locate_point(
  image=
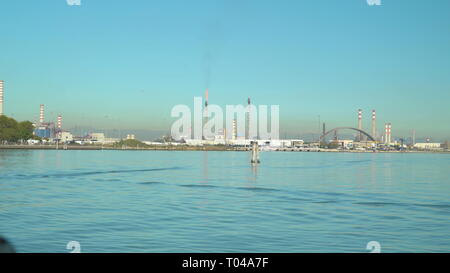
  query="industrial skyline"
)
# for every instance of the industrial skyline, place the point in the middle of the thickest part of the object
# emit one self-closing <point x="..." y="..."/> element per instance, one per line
<point x="48" y="129"/>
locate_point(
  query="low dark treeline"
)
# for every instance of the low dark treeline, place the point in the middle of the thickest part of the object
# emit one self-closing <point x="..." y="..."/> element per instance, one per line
<point x="14" y="131"/>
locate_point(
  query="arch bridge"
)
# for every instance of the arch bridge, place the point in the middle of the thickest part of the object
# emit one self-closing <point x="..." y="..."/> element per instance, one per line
<point x="347" y="128"/>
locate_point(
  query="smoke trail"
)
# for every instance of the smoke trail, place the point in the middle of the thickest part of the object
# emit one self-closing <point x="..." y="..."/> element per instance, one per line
<point x="213" y="42"/>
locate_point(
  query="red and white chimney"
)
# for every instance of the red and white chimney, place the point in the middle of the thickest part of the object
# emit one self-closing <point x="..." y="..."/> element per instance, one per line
<point x="374" y="124"/>
<point x="41" y="114"/>
<point x="360" y="123"/>
<point x="388" y="138"/>
<point x="59" y="122"/>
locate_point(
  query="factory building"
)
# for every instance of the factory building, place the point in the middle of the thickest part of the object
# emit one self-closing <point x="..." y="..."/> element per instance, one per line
<point x="44" y="129"/>
<point x="65" y="137"/>
<point x="344" y="143"/>
<point x="97" y="137"/>
<point x="234" y="130"/>
<point x="269" y="143"/>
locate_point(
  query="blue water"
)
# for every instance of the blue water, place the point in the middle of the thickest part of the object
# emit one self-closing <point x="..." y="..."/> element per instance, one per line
<point x="158" y="201"/>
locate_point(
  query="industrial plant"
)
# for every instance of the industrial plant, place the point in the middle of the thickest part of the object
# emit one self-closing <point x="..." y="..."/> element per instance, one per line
<point x="52" y="133"/>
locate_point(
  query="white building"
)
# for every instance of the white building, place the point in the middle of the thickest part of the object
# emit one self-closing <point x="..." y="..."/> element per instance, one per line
<point x="110" y="140"/>
<point x="65" y="137"/>
<point x="345" y="143"/>
<point x="219" y="140"/>
<point x="97" y="137"/>
<point x="194" y="142"/>
<point x="427" y="146"/>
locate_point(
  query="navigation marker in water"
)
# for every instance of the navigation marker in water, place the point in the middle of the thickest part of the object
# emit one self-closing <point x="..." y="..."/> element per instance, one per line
<point x="255" y="153"/>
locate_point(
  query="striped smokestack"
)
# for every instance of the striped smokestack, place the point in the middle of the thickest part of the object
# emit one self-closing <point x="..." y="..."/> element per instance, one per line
<point x="374" y="124"/>
<point x="234" y="132"/>
<point x="388" y="138"/>
<point x="41" y="114"/>
<point x="390" y="133"/>
<point x="59" y="122"/>
<point x="1" y="97"/>
<point x="360" y="123"/>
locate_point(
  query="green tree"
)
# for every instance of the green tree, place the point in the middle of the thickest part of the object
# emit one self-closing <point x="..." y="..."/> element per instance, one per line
<point x="13" y="131"/>
<point x="8" y="129"/>
<point x="132" y="143"/>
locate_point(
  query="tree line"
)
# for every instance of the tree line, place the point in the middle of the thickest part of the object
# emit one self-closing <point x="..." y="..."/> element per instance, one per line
<point x="14" y="131"/>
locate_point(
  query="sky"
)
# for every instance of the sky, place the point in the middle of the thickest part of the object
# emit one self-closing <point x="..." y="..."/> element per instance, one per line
<point x="124" y="64"/>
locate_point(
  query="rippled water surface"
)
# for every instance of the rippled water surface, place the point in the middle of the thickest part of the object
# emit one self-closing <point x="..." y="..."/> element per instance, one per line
<point x="156" y="201"/>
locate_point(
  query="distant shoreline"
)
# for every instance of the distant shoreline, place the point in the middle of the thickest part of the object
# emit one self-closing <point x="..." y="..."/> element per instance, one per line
<point x="192" y="148"/>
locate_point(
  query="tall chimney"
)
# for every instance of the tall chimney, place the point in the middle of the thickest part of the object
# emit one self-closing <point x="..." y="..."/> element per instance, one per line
<point x="59" y="122"/>
<point x="388" y="138"/>
<point x="41" y="114"/>
<point x="374" y="124"/>
<point x="1" y="97"/>
<point x="234" y="133"/>
<point x="360" y="123"/>
<point x="386" y="133"/>
<point x="247" y="121"/>
<point x="390" y="133"/>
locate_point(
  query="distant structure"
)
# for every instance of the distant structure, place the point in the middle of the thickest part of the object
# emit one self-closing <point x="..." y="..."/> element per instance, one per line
<point x="98" y="137"/>
<point x="369" y="137"/>
<point x="205" y="119"/>
<point x="428" y="146"/>
<point x="360" y="124"/>
<point x="59" y="123"/>
<point x="1" y="98"/>
<point x="130" y="137"/>
<point x="58" y="132"/>
<point x="247" y="121"/>
<point x="41" y="114"/>
<point x="234" y="133"/>
<point x="388" y="138"/>
<point x="44" y="129"/>
<point x="374" y="124"/>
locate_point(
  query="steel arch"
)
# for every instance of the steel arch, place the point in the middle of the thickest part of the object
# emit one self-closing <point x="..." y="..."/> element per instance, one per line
<point x="347" y="128"/>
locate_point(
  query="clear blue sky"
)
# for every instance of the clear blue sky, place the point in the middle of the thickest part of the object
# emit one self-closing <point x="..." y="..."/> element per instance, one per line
<point x="124" y="64"/>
